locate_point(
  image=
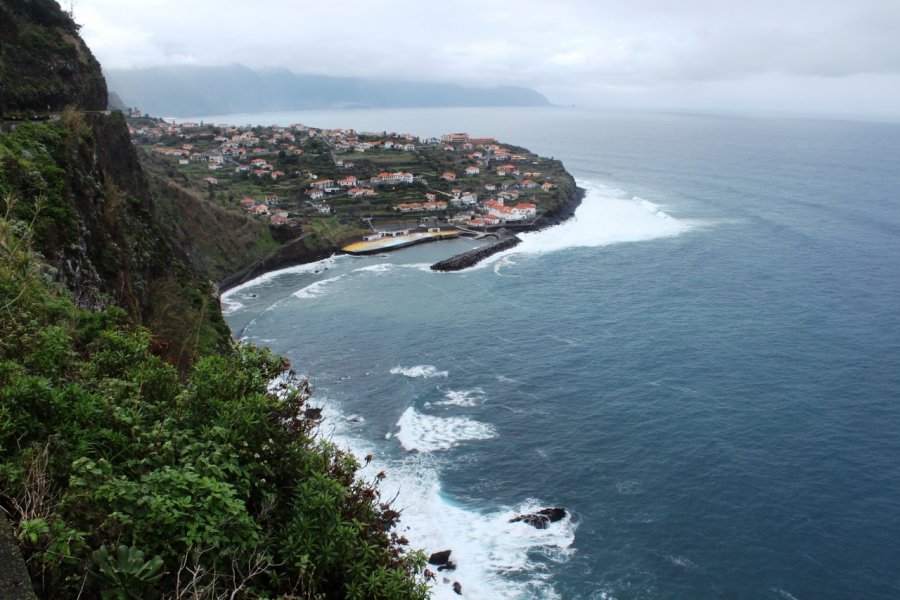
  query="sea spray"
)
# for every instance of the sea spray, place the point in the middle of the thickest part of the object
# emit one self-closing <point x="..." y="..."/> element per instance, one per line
<point x="494" y="558"/>
<point x="423" y="371"/>
<point x="429" y="433"/>
<point x="606" y="216"/>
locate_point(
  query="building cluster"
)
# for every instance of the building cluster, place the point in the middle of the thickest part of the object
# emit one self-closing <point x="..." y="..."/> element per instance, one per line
<point x="480" y="165"/>
<point x="267" y="207"/>
<point x="498" y="209"/>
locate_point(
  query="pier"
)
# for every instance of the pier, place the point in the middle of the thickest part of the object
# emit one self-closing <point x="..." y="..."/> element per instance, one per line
<point x="505" y="240"/>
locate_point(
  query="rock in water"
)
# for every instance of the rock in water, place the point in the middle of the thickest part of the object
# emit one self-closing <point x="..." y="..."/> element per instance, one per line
<point x="439" y="558"/>
<point x="450" y="566"/>
<point x="542" y="518"/>
<point x="457" y="588"/>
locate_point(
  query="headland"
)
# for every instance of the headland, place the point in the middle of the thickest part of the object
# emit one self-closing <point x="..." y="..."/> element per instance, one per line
<point x="312" y="192"/>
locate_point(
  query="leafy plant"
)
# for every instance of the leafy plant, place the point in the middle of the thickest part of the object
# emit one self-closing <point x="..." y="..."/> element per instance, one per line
<point x="126" y="574"/>
<point x="31" y="531"/>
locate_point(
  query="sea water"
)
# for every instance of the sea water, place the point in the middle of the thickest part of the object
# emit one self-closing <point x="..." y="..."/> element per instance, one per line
<point x="703" y="367"/>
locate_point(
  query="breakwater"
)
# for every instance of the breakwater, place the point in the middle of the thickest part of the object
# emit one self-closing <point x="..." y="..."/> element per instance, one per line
<point x="472" y="257"/>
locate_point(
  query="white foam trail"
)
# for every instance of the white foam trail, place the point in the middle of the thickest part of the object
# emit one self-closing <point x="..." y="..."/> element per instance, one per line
<point x="426" y="433"/>
<point x="316" y="289"/>
<point x="419" y="267"/>
<point x="464" y="398"/>
<point x="423" y="371"/>
<point x="505" y="261"/>
<point x="388" y="267"/>
<point x="376" y="268"/>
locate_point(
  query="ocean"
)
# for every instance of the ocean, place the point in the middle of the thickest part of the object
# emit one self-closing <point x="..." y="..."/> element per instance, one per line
<point x="702" y="367"/>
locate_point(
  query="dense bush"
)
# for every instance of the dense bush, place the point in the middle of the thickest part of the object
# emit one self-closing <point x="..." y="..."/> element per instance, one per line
<point x="126" y="480"/>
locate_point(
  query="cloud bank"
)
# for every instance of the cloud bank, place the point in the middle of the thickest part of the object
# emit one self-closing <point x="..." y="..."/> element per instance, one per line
<point x="647" y="53"/>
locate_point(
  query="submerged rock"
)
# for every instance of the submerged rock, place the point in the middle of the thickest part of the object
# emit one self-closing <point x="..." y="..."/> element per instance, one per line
<point x="542" y="518"/>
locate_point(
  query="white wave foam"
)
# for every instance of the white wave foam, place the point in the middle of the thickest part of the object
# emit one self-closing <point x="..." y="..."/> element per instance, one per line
<point x="423" y="371"/>
<point x="419" y="267"/>
<point x="316" y="289"/>
<point x="681" y="561"/>
<point x="505" y="261"/>
<point x="465" y="398"/>
<point x="230" y="306"/>
<point x="494" y="558"/>
<point x="376" y="268"/>
<point x="388" y="267"/>
<point x="603" y="218"/>
<point x="314" y="267"/>
<point x="426" y="433"/>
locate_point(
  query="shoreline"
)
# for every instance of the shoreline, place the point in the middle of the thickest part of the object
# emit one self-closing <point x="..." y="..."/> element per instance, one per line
<point x="295" y="253"/>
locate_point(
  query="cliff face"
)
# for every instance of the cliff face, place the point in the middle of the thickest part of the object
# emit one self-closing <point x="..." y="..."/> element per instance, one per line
<point x="195" y="225"/>
<point x="143" y="432"/>
<point x="44" y="64"/>
<point x="76" y="183"/>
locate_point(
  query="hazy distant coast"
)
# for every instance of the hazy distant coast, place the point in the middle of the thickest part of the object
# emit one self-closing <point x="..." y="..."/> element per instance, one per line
<point x="191" y="91"/>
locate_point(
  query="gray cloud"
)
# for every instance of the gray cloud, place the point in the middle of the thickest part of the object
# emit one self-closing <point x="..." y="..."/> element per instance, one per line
<point x="568" y="50"/>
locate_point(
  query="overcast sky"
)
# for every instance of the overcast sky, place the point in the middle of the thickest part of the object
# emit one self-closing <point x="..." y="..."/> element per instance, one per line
<point x="815" y="56"/>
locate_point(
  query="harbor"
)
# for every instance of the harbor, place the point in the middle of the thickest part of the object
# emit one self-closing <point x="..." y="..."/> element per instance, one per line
<point x="382" y="241"/>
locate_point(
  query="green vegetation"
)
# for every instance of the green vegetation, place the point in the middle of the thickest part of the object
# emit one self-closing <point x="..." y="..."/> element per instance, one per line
<point x="92" y="218"/>
<point x="125" y="480"/>
<point x="142" y="453"/>
<point x="44" y="65"/>
<point x="194" y="225"/>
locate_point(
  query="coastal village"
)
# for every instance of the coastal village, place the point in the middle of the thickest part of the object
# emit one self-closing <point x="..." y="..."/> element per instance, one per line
<point x="350" y="185"/>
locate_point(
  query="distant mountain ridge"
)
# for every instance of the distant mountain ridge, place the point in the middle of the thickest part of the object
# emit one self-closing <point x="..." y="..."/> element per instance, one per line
<point x="187" y="91"/>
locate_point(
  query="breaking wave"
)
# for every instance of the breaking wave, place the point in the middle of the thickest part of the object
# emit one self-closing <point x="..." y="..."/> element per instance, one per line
<point x="423" y="371"/>
<point x="426" y="433"/>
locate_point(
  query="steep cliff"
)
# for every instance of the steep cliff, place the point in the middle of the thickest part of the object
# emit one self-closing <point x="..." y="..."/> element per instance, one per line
<point x="142" y="454"/>
<point x="44" y="64"/>
<point x="78" y="184"/>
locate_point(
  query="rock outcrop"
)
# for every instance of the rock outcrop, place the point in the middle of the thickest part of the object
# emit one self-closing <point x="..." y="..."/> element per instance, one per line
<point x="542" y="518"/>
<point x="440" y="558"/>
<point x="14" y="581"/>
